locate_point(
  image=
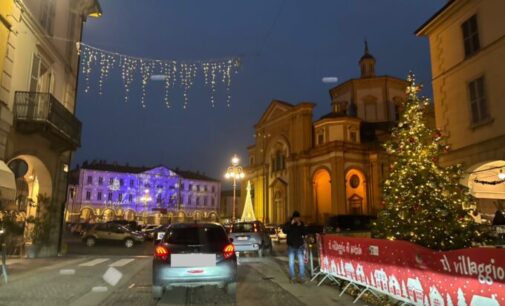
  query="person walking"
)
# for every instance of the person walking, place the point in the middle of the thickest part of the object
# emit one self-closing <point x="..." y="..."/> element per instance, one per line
<point x="295" y="230"/>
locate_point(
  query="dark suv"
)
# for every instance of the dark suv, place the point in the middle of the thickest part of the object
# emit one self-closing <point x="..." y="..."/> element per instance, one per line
<point x="194" y="254"/>
<point x="353" y="225"/>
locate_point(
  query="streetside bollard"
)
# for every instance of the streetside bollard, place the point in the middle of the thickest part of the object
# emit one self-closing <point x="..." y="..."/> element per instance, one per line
<point x="4" y="262"/>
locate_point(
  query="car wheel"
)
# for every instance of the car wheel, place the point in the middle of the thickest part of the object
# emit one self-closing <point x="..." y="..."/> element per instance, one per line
<point x="231" y="288"/>
<point x="129" y="242"/>
<point x="90" y="241"/>
<point x="157" y="292"/>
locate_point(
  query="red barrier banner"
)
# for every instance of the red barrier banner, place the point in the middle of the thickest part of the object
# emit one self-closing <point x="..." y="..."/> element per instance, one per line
<point x="417" y="275"/>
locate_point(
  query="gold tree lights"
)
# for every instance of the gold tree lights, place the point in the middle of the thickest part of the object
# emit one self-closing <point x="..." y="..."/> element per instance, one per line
<point x="173" y="73"/>
<point x="424" y="202"/>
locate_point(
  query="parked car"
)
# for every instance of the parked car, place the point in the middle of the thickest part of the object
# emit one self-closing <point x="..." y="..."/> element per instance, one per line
<point x="354" y="225"/>
<point x="272" y="232"/>
<point x="280" y="234"/>
<point x="251" y="237"/>
<point x="131" y="225"/>
<point x="111" y="232"/>
<point x="194" y="254"/>
<point x="149" y="230"/>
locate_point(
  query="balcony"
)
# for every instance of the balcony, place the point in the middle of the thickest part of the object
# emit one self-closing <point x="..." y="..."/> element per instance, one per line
<point x="36" y="112"/>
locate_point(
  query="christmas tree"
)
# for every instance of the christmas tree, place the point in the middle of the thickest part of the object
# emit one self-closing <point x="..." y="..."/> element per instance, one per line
<point x="424" y="202"/>
<point x="248" y="213"/>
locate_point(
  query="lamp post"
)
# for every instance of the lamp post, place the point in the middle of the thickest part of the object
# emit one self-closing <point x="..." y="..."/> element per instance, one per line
<point x="146" y="198"/>
<point x="234" y="172"/>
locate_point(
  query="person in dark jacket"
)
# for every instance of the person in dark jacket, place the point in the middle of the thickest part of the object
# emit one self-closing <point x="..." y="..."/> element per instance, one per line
<point x="295" y="230"/>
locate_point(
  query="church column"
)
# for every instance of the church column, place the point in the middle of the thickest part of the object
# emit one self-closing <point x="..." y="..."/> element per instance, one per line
<point x="338" y="198"/>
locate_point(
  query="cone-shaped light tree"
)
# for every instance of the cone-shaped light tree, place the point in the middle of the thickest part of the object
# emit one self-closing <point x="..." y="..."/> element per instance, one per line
<point x="424" y="202"/>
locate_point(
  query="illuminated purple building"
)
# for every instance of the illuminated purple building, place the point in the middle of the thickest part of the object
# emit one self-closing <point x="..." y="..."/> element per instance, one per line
<point x="102" y="192"/>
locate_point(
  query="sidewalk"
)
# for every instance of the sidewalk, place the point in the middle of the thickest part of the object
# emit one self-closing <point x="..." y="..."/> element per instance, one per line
<point x="275" y="269"/>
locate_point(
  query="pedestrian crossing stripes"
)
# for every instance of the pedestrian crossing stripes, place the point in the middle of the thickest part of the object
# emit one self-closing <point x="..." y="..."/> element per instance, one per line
<point x="94" y="262"/>
<point x="121" y="262"/>
<point x="118" y="263"/>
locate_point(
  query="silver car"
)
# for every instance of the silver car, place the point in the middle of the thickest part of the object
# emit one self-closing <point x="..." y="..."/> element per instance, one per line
<point x="251" y="237"/>
<point x="194" y="254"/>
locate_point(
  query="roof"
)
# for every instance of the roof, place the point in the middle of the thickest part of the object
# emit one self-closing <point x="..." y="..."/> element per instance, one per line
<point x="440" y="11"/>
<point x="194" y="175"/>
<point x="333" y="115"/>
<point x="103" y="166"/>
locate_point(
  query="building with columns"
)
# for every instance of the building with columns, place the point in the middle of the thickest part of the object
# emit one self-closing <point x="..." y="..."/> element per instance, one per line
<point x="39" y="131"/>
<point x="331" y="166"/>
<point x="101" y="192"/>
<point x="467" y="46"/>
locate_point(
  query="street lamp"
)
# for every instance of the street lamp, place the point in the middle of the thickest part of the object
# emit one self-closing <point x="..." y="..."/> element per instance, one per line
<point x="146" y="198"/>
<point x="235" y="173"/>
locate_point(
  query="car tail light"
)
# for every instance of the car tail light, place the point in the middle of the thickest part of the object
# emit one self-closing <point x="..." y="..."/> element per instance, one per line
<point x="161" y="252"/>
<point x="228" y="251"/>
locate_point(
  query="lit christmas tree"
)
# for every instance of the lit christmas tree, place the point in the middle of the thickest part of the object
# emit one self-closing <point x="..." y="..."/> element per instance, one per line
<point x="248" y="213"/>
<point x="424" y="202"/>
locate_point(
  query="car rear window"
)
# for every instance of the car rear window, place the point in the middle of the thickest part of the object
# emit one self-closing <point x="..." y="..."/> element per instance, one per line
<point x="243" y="228"/>
<point x="195" y="236"/>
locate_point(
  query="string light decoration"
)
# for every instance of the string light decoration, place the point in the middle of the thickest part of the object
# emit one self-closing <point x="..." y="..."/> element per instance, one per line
<point x="174" y="73"/>
<point x="424" y="202"/>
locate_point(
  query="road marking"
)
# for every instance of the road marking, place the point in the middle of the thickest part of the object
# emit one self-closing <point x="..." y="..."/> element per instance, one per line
<point x="112" y="276"/>
<point x="94" y="262"/>
<point x="121" y="262"/>
<point x="67" y="271"/>
<point x="99" y="289"/>
<point x="131" y="286"/>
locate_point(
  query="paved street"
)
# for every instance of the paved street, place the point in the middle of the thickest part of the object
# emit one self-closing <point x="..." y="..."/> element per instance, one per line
<point x="77" y="279"/>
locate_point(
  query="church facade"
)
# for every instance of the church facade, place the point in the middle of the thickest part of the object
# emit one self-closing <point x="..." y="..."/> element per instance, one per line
<point x="331" y="166"/>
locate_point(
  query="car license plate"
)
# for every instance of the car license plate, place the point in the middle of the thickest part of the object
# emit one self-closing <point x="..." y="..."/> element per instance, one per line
<point x="193" y="260"/>
<point x="242" y="238"/>
<point x="160" y="235"/>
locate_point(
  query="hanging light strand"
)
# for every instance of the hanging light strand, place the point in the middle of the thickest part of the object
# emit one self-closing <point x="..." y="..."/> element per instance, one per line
<point x="183" y="74"/>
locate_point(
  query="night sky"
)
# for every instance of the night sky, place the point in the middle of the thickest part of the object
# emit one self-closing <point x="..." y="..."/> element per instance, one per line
<point x="286" y="47"/>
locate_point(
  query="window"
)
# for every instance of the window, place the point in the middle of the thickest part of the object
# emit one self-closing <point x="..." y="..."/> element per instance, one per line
<point x="90" y="180"/>
<point x="100" y="180"/>
<point x="371" y="111"/>
<point x="205" y="201"/>
<point x="182" y="186"/>
<point x="470" y="36"/>
<point x="130" y="198"/>
<point x="111" y="181"/>
<point x="41" y="78"/>
<point x="132" y="183"/>
<point x="120" y="197"/>
<point x="353" y="136"/>
<point x="88" y="195"/>
<point x="190" y="187"/>
<point x="158" y="199"/>
<point x="478" y="103"/>
<point x="47" y="15"/>
<point x="213" y="188"/>
<point x="109" y="196"/>
<point x="197" y="200"/>
<point x="121" y="182"/>
<point x="99" y="196"/>
<point x="320" y="139"/>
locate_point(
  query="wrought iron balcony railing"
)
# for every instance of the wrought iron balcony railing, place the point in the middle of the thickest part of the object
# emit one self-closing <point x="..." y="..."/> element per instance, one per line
<point x="35" y="109"/>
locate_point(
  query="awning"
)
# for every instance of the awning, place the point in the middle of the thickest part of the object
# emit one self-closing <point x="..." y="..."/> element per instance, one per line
<point x="7" y="183"/>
